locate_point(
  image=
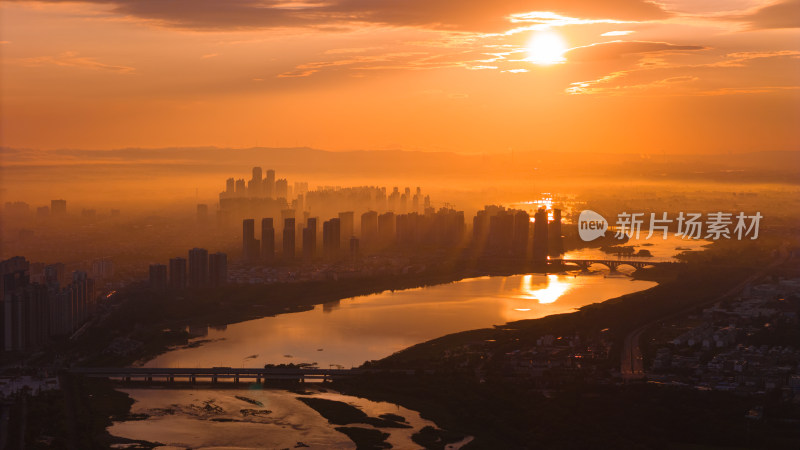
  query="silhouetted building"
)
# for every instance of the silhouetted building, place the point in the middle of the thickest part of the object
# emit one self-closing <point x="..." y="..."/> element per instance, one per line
<point x="288" y="238"/>
<point x="43" y="212"/>
<point x="32" y="312"/>
<point x="241" y="188"/>
<point x="198" y="267"/>
<point x="103" y="268"/>
<point x="202" y="213"/>
<point x="55" y="275"/>
<point x="58" y="207"/>
<point x="158" y="277"/>
<point x="522" y="229"/>
<point x="282" y="188"/>
<point x="369" y="229"/>
<point x="269" y="184"/>
<point x="250" y="245"/>
<point x="386" y="229"/>
<point x="346" y="222"/>
<point x="255" y="186"/>
<point x="354" y="248"/>
<point x="331" y="238"/>
<point x="217" y="269"/>
<point x="556" y="241"/>
<point x="501" y="233"/>
<point x="267" y="238"/>
<point x="310" y="239"/>
<point x="177" y="273"/>
<point x="540" y="237"/>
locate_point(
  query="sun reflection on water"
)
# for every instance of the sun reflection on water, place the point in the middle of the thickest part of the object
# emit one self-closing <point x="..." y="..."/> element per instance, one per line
<point x="553" y="290"/>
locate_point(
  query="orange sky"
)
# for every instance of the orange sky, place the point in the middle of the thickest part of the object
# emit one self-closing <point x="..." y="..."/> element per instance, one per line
<point x="636" y="76"/>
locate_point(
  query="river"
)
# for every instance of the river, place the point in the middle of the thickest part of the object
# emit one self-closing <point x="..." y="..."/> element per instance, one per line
<point x="347" y="333"/>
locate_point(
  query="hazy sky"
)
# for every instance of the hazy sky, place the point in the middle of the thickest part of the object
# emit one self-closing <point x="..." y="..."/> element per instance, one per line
<point x="469" y="76"/>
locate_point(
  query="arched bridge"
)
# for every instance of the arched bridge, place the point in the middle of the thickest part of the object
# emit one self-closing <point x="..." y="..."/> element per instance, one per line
<point x="219" y="374"/>
<point x="612" y="264"/>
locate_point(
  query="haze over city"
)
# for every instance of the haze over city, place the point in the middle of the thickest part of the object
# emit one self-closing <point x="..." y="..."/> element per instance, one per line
<point x="419" y="224"/>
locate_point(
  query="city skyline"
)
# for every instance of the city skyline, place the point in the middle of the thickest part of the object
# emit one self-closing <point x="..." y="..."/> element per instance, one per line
<point x="423" y="76"/>
<point x="514" y="224"/>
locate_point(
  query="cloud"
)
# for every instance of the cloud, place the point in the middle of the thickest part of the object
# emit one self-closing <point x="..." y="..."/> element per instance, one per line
<point x="415" y="58"/>
<point x="72" y="59"/>
<point x="618" y="49"/>
<point x="778" y="15"/>
<point x="464" y="15"/>
<point x="732" y="73"/>
<point x="617" y="33"/>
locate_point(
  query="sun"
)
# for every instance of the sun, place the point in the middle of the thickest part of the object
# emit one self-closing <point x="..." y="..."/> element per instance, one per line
<point x="546" y="48"/>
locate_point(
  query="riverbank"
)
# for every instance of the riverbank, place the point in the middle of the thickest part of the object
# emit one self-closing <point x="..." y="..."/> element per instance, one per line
<point x="129" y="334"/>
<point x="512" y="386"/>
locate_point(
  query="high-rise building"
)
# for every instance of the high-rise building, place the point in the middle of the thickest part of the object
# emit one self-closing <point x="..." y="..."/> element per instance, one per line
<point x="522" y="229"/>
<point x="241" y="188"/>
<point x="58" y="208"/>
<point x="369" y="229"/>
<point x="217" y="269"/>
<point x="346" y="222"/>
<point x="540" y="238"/>
<point x="30" y="312"/>
<point x="282" y="188"/>
<point x="177" y="273"/>
<point x="198" y="267"/>
<point x="250" y="245"/>
<point x="556" y="242"/>
<point x="354" y="248"/>
<point x="43" y="212"/>
<point x="501" y="232"/>
<point x="202" y="213"/>
<point x="386" y="229"/>
<point x="230" y="186"/>
<point x="103" y="268"/>
<point x="331" y="238"/>
<point x="288" y="238"/>
<point x="269" y="184"/>
<point x="394" y="200"/>
<point x="55" y="275"/>
<point x="300" y="187"/>
<point x="310" y="239"/>
<point x="158" y="277"/>
<point x="255" y="185"/>
<point x="267" y="239"/>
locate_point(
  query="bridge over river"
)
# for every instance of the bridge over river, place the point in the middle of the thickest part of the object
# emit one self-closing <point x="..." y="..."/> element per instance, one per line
<point x="217" y="374"/>
<point x="613" y="264"/>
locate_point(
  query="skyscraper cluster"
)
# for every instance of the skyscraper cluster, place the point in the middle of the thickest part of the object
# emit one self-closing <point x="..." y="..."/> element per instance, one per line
<point x="199" y="270"/>
<point x="499" y="231"/>
<point x="264" y="195"/>
<point x="444" y="228"/>
<point x="33" y="312"/>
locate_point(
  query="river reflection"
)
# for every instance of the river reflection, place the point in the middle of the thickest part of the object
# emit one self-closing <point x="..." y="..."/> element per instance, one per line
<point x="371" y="327"/>
<point x="225" y="418"/>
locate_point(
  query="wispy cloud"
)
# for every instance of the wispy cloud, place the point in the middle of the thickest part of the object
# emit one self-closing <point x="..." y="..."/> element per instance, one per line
<point x="73" y="59"/>
<point x="617" y="49"/>
<point x="711" y="78"/>
<point x="617" y="33"/>
<point x="470" y="15"/>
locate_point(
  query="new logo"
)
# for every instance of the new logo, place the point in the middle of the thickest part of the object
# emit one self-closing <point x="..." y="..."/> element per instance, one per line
<point x="591" y="225"/>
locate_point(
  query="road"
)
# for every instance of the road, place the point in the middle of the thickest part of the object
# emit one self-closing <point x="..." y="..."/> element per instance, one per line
<point x="632" y="361"/>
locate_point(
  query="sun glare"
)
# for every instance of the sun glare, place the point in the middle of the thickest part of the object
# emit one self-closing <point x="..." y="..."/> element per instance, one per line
<point x="546" y="48"/>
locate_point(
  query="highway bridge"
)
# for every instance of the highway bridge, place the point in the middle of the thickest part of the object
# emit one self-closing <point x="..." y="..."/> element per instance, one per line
<point x="217" y="374"/>
<point x="613" y="264"/>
